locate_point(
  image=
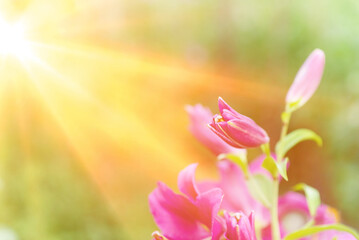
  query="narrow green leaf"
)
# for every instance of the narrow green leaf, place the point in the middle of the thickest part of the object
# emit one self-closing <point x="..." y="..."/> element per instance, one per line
<point x="275" y="167"/>
<point x="266" y="149"/>
<point x="261" y="188"/>
<point x="270" y="164"/>
<point x="312" y="195"/>
<point x="294" y="138"/>
<point x="282" y="168"/>
<point x="316" y="229"/>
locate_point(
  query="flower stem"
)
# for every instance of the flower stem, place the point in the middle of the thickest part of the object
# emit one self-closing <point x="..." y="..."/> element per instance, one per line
<point x="274" y="211"/>
<point x="285" y="125"/>
<point x="274" y="208"/>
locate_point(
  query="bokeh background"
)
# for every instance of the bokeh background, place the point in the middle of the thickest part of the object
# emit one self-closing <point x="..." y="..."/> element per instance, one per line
<point x="96" y="115"/>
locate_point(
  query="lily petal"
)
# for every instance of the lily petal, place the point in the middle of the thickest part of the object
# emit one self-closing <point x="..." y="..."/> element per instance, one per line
<point x="187" y="183"/>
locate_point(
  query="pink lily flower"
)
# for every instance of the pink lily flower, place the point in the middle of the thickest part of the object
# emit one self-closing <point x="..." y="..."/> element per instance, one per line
<point x="236" y="129"/>
<point x="294" y="213"/>
<point x="240" y="227"/>
<point x="192" y="216"/>
<point x="237" y="197"/>
<point x="199" y="118"/>
<point x="307" y="79"/>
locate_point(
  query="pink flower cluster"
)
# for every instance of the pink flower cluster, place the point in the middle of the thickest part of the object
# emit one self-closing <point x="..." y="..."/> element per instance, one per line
<point x="226" y="209"/>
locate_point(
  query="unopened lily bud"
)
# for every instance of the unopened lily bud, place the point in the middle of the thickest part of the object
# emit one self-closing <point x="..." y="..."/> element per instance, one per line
<point x="240" y="227"/>
<point x="236" y="129"/>
<point x="200" y="116"/>
<point x="307" y="79"/>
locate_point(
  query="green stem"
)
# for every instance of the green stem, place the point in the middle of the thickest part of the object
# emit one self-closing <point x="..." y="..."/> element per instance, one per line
<point x="285" y="126"/>
<point x="274" y="211"/>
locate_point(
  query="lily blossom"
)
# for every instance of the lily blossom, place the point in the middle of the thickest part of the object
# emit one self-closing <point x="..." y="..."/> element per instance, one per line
<point x="236" y="129"/>
<point x="192" y="216"/>
<point x="294" y="213"/>
<point x="240" y="227"/>
<point x="200" y="116"/>
<point x="307" y="79"/>
<point x="237" y="197"/>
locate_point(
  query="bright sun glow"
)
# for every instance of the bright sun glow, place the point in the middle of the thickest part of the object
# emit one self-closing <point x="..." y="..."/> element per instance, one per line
<point x="12" y="40"/>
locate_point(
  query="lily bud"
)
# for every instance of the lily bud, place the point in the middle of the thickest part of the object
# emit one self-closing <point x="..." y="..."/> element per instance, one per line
<point x="236" y="129"/>
<point x="307" y="79"/>
<point x="240" y="227"/>
<point x="200" y="116"/>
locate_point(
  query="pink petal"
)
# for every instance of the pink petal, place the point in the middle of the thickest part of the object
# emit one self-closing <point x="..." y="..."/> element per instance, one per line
<point x="175" y="215"/>
<point x="229" y="113"/>
<point x="296" y="203"/>
<point x="332" y="234"/>
<point x="326" y="215"/>
<point x="218" y="228"/>
<point x="240" y="227"/>
<point x="222" y="105"/>
<point x="237" y="197"/>
<point x="308" y="78"/>
<point x="292" y="202"/>
<point x="186" y="182"/>
<point x="205" y="186"/>
<point x="246" y="227"/>
<point x="208" y="205"/>
<point x="246" y="134"/>
<point x="219" y="129"/>
<point x="199" y="118"/>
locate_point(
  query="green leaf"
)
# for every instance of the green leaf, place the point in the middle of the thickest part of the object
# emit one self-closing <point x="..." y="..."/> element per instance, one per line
<point x="239" y="159"/>
<point x="282" y="168"/>
<point x="312" y="195"/>
<point x="266" y="149"/>
<point x="293" y="139"/>
<point x="270" y="164"/>
<point x="261" y="188"/>
<point x="316" y="229"/>
<point x="275" y="167"/>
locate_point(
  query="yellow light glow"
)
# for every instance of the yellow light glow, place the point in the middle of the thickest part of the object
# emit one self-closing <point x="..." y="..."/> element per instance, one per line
<point x="12" y="40"/>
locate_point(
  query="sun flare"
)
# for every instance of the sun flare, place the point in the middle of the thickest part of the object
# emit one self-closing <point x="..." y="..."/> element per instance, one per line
<point x="13" y="40"/>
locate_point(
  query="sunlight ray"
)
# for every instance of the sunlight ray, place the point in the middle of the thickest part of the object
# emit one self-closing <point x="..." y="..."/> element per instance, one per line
<point x="117" y="120"/>
<point x="179" y="71"/>
<point x="73" y="142"/>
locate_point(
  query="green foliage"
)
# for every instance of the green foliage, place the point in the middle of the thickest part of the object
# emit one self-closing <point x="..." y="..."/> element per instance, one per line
<point x="282" y="168"/>
<point x="293" y="138"/>
<point x="50" y="196"/>
<point x="275" y="167"/>
<point x="261" y="188"/>
<point x="312" y="195"/>
<point x="270" y="164"/>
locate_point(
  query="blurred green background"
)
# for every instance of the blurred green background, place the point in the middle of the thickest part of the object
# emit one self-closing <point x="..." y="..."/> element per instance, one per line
<point x="89" y="128"/>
